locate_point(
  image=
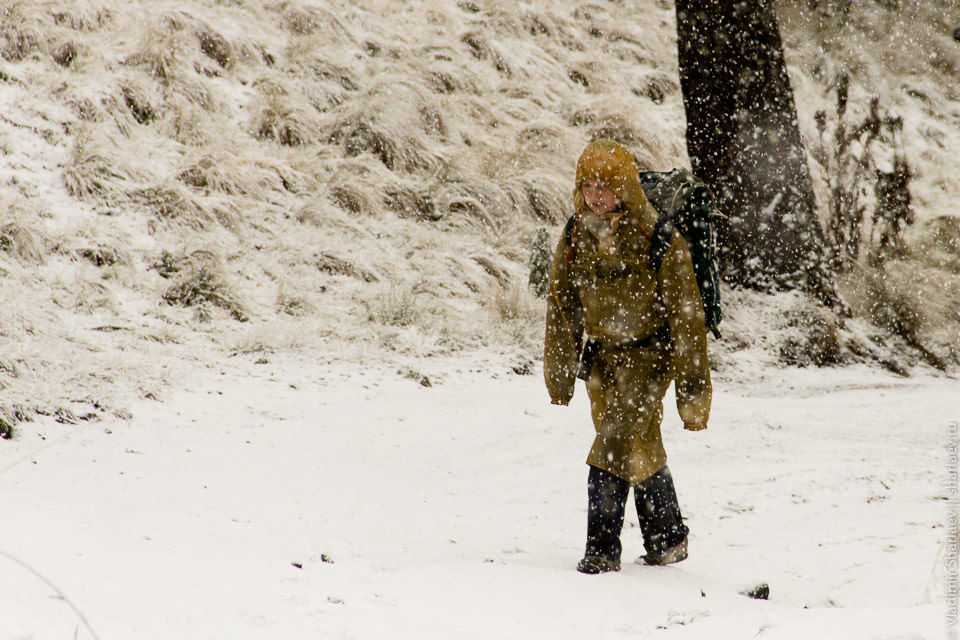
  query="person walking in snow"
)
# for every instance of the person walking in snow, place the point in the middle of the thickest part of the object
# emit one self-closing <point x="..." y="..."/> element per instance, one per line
<point x="649" y="329"/>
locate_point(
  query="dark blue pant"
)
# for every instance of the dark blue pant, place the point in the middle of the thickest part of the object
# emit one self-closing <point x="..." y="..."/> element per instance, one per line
<point x="657" y="508"/>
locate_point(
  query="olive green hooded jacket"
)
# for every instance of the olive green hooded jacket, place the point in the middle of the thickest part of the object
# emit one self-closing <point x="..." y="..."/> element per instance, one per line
<point x="603" y="286"/>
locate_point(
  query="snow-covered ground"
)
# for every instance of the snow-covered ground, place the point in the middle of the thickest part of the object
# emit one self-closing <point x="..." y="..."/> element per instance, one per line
<point x="294" y="497"/>
<point x="273" y="175"/>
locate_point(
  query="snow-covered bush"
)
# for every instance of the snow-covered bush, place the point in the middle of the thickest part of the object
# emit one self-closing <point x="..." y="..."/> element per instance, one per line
<point x="199" y="282"/>
<point x="20" y="242"/>
<point x="395" y="305"/>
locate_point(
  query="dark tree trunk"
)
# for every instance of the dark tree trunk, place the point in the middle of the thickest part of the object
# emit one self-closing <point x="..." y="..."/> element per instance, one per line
<point x="744" y="141"/>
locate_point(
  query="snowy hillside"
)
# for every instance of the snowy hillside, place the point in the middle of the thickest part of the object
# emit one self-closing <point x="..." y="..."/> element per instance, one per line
<point x="366" y="178"/>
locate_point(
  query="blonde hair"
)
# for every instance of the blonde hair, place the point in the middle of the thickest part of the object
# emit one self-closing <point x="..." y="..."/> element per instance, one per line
<point x="611" y="163"/>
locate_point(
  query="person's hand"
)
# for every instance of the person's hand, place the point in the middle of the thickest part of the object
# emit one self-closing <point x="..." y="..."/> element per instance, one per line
<point x="694" y="426"/>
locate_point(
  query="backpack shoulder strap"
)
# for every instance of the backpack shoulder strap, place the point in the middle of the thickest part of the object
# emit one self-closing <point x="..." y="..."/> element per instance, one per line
<point x="570" y="236"/>
<point x="662" y="234"/>
<point x="665" y="189"/>
<point x="568" y="230"/>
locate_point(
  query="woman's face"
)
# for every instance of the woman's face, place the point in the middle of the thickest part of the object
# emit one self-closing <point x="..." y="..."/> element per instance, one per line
<point x="599" y="198"/>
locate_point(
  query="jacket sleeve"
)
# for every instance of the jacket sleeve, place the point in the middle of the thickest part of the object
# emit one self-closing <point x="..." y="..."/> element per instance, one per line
<point x="681" y="297"/>
<point x="564" y="334"/>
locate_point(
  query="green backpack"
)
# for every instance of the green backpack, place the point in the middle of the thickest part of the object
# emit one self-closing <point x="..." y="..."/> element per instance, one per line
<point x="686" y="204"/>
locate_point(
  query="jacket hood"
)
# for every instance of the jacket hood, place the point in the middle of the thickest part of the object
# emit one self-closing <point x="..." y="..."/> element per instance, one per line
<point x="611" y="163"/>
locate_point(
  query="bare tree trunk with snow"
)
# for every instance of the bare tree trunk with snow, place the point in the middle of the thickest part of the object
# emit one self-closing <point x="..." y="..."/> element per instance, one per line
<point x="744" y="141"/>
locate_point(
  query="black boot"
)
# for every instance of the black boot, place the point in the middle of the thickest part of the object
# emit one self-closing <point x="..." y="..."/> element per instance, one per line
<point x="664" y="534"/>
<point x="607" y="501"/>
